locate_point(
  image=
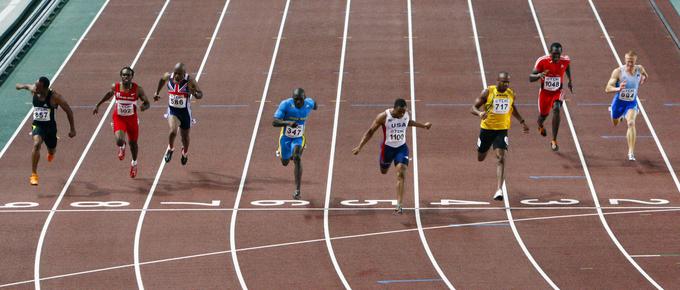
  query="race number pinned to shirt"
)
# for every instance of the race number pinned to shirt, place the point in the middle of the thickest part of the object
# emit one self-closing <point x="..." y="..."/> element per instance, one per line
<point x="125" y="109"/>
<point x="41" y="114"/>
<point x="396" y="135"/>
<point x="627" y="95"/>
<point x="296" y="132"/>
<point x="501" y="106"/>
<point x="552" y="83"/>
<point x="177" y="101"/>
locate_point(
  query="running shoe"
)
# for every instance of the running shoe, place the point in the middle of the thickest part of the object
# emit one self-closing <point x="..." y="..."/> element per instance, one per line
<point x="541" y="130"/>
<point x="168" y="155"/>
<point x="121" y="152"/>
<point x="184" y="158"/>
<point x="34" y="179"/>
<point x="50" y="157"/>
<point x="498" y="195"/>
<point x="399" y="210"/>
<point x="554" y="146"/>
<point x="296" y="194"/>
<point x="133" y="170"/>
<point x="631" y="157"/>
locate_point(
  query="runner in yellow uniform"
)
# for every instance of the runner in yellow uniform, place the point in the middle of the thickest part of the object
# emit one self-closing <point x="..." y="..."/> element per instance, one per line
<point x="499" y="104"/>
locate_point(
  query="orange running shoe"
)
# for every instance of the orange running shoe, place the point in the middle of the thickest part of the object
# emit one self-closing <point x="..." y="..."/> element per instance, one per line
<point x="50" y="157"/>
<point x="34" y="179"/>
<point x="133" y="171"/>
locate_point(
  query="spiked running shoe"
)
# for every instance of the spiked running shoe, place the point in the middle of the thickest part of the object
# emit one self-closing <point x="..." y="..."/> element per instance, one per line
<point x="168" y="155"/>
<point x="34" y="179"/>
<point x="498" y="195"/>
<point x="121" y="152"/>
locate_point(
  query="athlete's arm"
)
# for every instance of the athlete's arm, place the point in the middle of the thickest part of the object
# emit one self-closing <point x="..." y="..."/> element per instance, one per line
<point x="106" y="97"/>
<point x="59" y="100"/>
<point x="161" y="83"/>
<point x="518" y="116"/>
<point x="611" y="84"/>
<point x="645" y="76"/>
<point x="425" y="125"/>
<point x="315" y="106"/>
<point x="280" y="114"/>
<point x="283" y="123"/>
<point x="478" y="103"/>
<point x="28" y="87"/>
<point x="195" y="90"/>
<point x="377" y="123"/>
<point x="569" y="84"/>
<point x="142" y="95"/>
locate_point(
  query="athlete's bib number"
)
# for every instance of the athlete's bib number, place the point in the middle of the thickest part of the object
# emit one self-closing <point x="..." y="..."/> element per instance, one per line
<point x="177" y="101"/>
<point x="396" y="136"/>
<point x="552" y="83"/>
<point x="501" y="106"/>
<point x="627" y="95"/>
<point x="41" y="114"/>
<point x="125" y="109"/>
<point x="295" y="132"/>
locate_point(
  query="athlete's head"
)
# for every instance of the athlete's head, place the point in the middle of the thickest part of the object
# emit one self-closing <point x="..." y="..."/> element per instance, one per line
<point x="631" y="58"/>
<point x="179" y="72"/>
<point x="299" y="97"/>
<point x="126" y="74"/>
<point x="42" y="84"/>
<point x="555" y="51"/>
<point x="399" y="108"/>
<point x="503" y="81"/>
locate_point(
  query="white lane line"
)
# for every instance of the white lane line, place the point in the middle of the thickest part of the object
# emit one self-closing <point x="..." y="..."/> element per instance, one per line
<point x="232" y="225"/>
<point x="416" y="189"/>
<point x="43" y="233"/>
<point x="506" y="200"/>
<point x="584" y="165"/>
<point x="333" y="209"/>
<point x="320" y="240"/>
<point x="329" y="181"/>
<point x="642" y="108"/>
<point x="54" y="78"/>
<point x="140" y="222"/>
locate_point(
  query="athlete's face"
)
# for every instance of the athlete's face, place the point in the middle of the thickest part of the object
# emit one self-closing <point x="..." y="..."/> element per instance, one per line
<point x="555" y="54"/>
<point x="398" y="112"/>
<point x="503" y="82"/>
<point x="126" y="76"/>
<point x="630" y="61"/>
<point x="39" y="88"/>
<point x="179" y="74"/>
<point x="299" y="101"/>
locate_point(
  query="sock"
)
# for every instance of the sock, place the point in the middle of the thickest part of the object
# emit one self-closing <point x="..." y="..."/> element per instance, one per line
<point x="171" y="148"/>
<point x="184" y="151"/>
<point x="133" y="163"/>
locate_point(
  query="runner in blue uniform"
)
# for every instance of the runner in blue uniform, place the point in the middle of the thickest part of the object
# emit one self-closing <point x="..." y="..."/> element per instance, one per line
<point x="180" y="89"/>
<point x="625" y="82"/>
<point x="291" y="117"/>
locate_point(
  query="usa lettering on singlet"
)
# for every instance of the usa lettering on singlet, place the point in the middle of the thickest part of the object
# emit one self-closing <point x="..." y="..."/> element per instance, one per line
<point x="395" y="130"/>
<point x="178" y="93"/>
<point x="629" y="93"/>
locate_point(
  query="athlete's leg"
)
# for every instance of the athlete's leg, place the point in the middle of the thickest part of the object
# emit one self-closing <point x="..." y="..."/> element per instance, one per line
<point x="37" y="143"/>
<point x="120" y="138"/>
<point x="401" y="175"/>
<point x="631" y="135"/>
<point x="481" y="156"/>
<point x="556" y="118"/>
<point x="173" y="123"/>
<point x="500" y="167"/>
<point x="184" y="133"/>
<point x="297" y="159"/>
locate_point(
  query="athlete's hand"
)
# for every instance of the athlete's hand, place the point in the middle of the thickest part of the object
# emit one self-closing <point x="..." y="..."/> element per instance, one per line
<point x="96" y="110"/>
<point x="427" y="125"/>
<point x="356" y="150"/>
<point x="72" y="133"/>
<point x="482" y="115"/>
<point x="145" y="106"/>
<point x="292" y="124"/>
<point x="622" y="85"/>
<point x="156" y="97"/>
<point x="525" y="128"/>
<point x="198" y="95"/>
<point x="544" y="73"/>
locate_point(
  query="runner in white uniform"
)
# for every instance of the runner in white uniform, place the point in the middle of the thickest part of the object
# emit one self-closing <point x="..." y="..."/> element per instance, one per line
<point x="393" y="148"/>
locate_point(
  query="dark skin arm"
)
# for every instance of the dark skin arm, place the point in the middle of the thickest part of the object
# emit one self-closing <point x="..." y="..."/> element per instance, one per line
<point x="569" y="85"/>
<point x="480" y="102"/>
<point x="425" y="125"/>
<point x="195" y="90"/>
<point x="145" y="101"/>
<point x="106" y="97"/>
<point x="28" y="87"/>
<point x="57" y="99"/>
<point x="161" y="83"/>
<point x="377" y="123"/>
<point x="517" y="116"/>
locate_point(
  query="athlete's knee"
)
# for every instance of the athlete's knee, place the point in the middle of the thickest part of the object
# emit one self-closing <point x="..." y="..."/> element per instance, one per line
<point x="401" y="173"/>
<point x="481" y="156"/>
<point x="630" y="122"/>
<point x="500" y="159"/>
<point x="120" y="141"/>
<point x="384" y="170"/>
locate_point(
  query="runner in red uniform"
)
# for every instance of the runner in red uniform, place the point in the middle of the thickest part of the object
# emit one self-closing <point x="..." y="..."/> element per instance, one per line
<point x="125" y="121"/>
<point x="550" y="69"/>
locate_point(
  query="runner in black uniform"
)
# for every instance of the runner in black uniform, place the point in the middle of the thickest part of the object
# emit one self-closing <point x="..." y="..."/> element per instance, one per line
<point x="45" y="102"/>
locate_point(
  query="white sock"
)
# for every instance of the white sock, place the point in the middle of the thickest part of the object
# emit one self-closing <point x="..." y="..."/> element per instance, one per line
<point x="134" y="162"/>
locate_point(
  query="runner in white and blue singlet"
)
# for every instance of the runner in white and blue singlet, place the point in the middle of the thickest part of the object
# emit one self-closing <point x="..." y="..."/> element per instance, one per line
<point x="625" y="82"/>
<point x="180" y="88"/>
<point x="393" y="148"/>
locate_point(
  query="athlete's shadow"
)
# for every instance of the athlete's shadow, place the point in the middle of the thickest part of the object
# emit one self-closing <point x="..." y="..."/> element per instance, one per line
<point x="198" y="180"/>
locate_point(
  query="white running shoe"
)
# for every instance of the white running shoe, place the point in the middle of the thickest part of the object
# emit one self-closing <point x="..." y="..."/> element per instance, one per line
<point x="631" y="157"/>
<point x="498" y="195"/>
